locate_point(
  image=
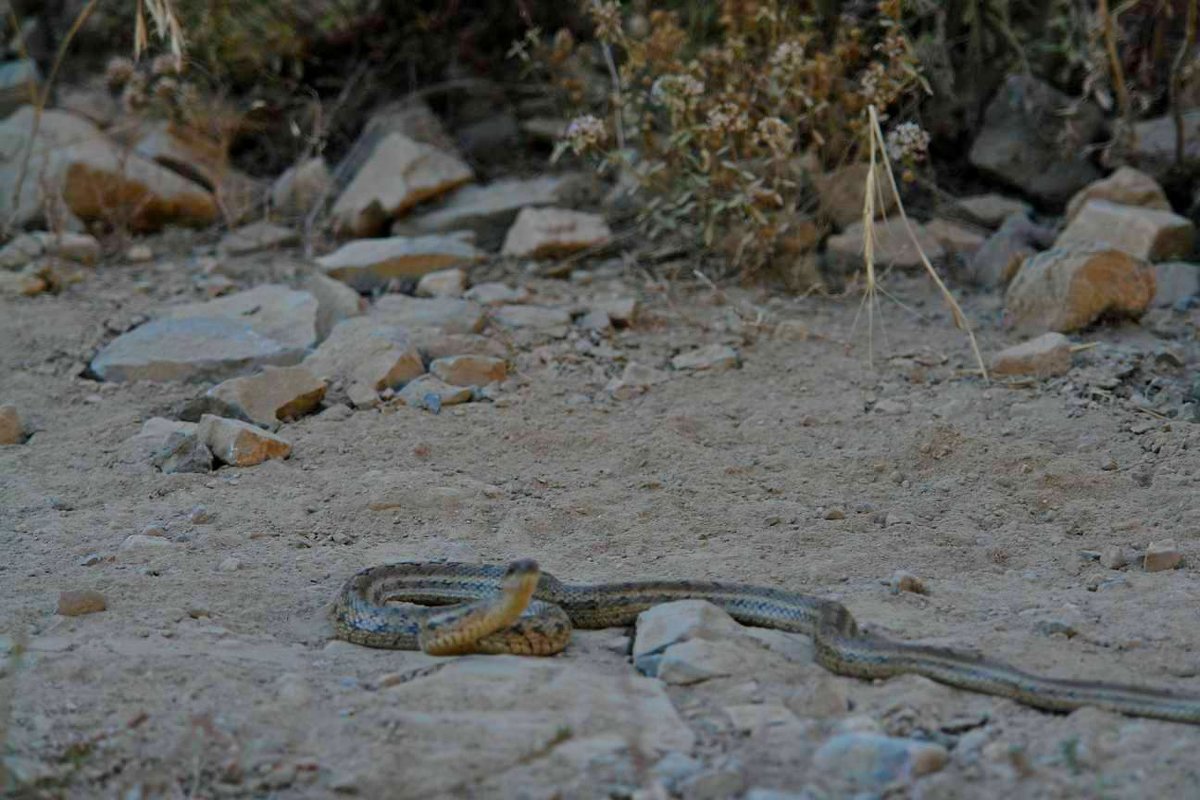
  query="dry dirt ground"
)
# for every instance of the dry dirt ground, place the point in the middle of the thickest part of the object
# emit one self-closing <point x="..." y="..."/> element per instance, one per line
<point x="202" y="680"/>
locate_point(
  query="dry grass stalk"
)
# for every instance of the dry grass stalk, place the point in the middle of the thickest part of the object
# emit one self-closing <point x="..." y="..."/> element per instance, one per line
<point x="878" y="150"/>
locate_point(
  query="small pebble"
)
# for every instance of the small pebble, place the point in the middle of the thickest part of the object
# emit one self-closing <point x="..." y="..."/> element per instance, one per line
<point x="230" y="564"/>
<point x="76" y="603"/>
<point x="154" y="529"/>
<point x="902" y="581"/>
<point x="835" y="513"/>
<point x="1162" y="556"/>
<point x="199" y="516"/>
<point x="1113" y="557"/>
<point x="90" y="560"/>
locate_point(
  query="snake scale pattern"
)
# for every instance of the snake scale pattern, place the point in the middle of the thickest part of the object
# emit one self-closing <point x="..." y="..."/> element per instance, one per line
<point x="479" y="608"/>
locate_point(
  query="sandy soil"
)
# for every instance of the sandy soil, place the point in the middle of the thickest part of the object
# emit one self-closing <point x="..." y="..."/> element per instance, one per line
<point x="200" y="680"/>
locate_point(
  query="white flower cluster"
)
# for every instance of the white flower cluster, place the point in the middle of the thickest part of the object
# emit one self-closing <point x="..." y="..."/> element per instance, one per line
<point x="907" y="142"/>
<point x="776" y="135"/>
<point x="676" y="92"/>
<point x="787" y="61"/>
<point x="585" y="133"/>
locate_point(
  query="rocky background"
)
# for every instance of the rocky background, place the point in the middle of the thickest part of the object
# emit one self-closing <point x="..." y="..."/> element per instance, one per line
<point x="230" y="379"/>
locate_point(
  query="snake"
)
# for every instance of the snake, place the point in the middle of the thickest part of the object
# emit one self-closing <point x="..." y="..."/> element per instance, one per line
<point x="462" y="608"/>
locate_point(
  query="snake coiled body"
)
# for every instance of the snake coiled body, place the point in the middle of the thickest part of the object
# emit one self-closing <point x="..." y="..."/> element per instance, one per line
<point x="519" y="609"/>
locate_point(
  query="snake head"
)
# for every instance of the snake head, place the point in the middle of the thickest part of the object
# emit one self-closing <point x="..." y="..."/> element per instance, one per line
<point x="520" y="574"/>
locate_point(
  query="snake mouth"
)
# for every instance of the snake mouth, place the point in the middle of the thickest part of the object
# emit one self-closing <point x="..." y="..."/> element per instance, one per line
<point x="522" y="568"/>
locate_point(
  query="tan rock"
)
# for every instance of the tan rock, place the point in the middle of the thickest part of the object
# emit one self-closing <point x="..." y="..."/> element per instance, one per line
<point x="275" y="395"/>
<point x="1162" y="555"/>
<point x="1146" y="233"/>
<point x="494" y="293"/>
<point x="366" y="352"/>
<point x="956" y="237"/>
<point x="713" y="358"/>
<point x="301" y="187"/>
<point x="284" y="315"/>
<point x="488" y="210"/>
<point x="255" y="237"/>
<point x="841" y="192"/>
<point x="526" y="316"/>
<point x="622" y="311"/>
<point x="1045" y="356"/>
<point x="1067" y="289"/>
<point x="550" y="232"/>
<point x="399" y="174"/>
<point x="410" y="116"/>
<point x="1127" y="186"/>
<point x="991" y="210"/>
<point x="78" y="247"/>
<point x="27" y="283"/>
<point x="368" y="264"/>
<point x="76" y="603"/>
<point x="893" y="245"/>
<point x="435" y="345"/>
<point x="238" y="443"/>
<point x="445" y="314"/>
<point x="636" y="379"/>
<point x="443" y="283"/>
<point x="335" y="302"/>
<point x="12" y="429"/>
<point x="432" y="393"/>
<point x="469" y="370"/>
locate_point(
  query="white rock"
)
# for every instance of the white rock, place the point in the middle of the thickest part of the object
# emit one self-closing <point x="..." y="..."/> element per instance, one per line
<point x="368" y="264"/>
<point x="549" y="232"/>
<point x="443" y="283"/>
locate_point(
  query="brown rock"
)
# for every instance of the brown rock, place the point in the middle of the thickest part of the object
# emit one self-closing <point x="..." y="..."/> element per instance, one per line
<point x="1127" y="186"/>
<point x="1162" y="556"/>
<point x="369" y="264"/>
<point x="399" y="174"/>
<point x="12" y="429"/>
<point x="366" y="352"/>
<point x="991" y="210"/>
<point x="1146" y="233"/>
<point x="893" y="245"/>
<point x="1043" y="357"/>
<point x="272" y="396"/>
<point x="550" y="232"/>
<point x="841" y="193"/>
<point x="238" y="443"/>
<point x="713" y="358"/>
<point x="469" y="370"/>
<point x="435" y="345"/>
<point x="1068" y="289"/>
<point x="76" y="603"/>
<point x="27" y="283"/>
<point x="957" y="238"/>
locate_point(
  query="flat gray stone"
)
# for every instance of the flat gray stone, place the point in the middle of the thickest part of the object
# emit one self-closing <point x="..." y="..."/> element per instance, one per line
<point x="537" y="317"/>
<point x="489" y="210"/>
<point x="447" y="314"/>
<point x="255" y="237"/>
<point x="284" y="315"/>
<point x="368" y="264"/>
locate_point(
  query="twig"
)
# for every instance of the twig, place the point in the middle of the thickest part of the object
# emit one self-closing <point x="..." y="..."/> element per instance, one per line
<point x="1124" y="109"/>
<point x="1176" y="88"/>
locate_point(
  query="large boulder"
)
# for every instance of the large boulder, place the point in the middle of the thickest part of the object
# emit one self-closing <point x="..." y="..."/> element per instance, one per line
<point x="1034" y="138"/>
<point x="1069" y="288"/>
<point x="1147" y="233"/>
<point x="1127" y="186"/>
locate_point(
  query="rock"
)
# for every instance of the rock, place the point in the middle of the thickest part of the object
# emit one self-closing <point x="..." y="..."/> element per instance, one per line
<point x="1024" y="135"/>
<point x="548" y="130"/>
<point x="29" y="282"/>
<point x="368" y="264"/>
<point x="140" y="541"/>
<point x="432" y="393"/>
<point x="139" y="254"/>
<point x="595" y="320"/>
<point x="76" y="603"/>
<point x="841" y="191"/>
<point x="275" y="395"/>
<point x="834" y="514"/>
<point x="445" y="314"/>
<point x="230" y="564"/>
<point x="255" y="237"/>
<point x="991" y="210"/>
<point x="699" y="660"/>
<point x="183" y="452"/>
<point x="96" y="105"/>
<point x="636" y="379"/>
<point x="1175" y="282"/>
<point x="12" y="429"/>
<point x="301" y="187"/>
<point x="434" y="345"/>
<point x="23" y="248"/>
<point x="552" y="232"/>
<point x="893" y="246"/>
<point x="904" y="581"/>
<point x="469" y="370"/>
<point x="79" y="247"/>
<point x="18" y="79"/>
<point x="754" y="717"/>
<point x="488" y="210"/>
<point x="366" y="355"/>
<point x="956" y="238"/>
<point x="96" y="179"/>
<point x="713" y="358"/>
<point x="995" y="264"/>
<point x="494" y="293"/>
<point x="533" y="702"/>
<point x="1153" y="147"/>
<point x="1162" y="555"/>
<point x="669" y="624"/>
<point x="411" y="117"/>
<point x="1043" y="357"/>
<point x="622" y="311"/>
<point x="525" y="316"/>
<point x="281" y="314"/>
<point x="493" y="136"/>
<point x="238" y="443"/>
<point x="1068" y="289"/>
<point x="868" y="762"/>
<point x="891" y="407"/>
<point x="1127" y="186"/>
<point x="1146" y="233"/>
<point x="443" y="283"/>
<point x="335" y="302"/>
<point x="201" y="349"/>
<point x="716" y="784"/>
<point x="399" y="174"/>
<point x="1113" y="557"/>
<point x="675" y="767"/>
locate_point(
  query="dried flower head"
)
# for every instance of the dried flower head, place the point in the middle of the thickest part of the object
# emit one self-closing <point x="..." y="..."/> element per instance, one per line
<point x="787" y="61"/>
<point x="164" y="65"/>
<point x="676" y="92"/>
<point x="727" y="118"/>
<point x="585" y="133"/>
<point x="908" y="143"/>
<point x="118" y="71"/>
<point x="774" y="134"/>
<point x="607" y="19"/>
